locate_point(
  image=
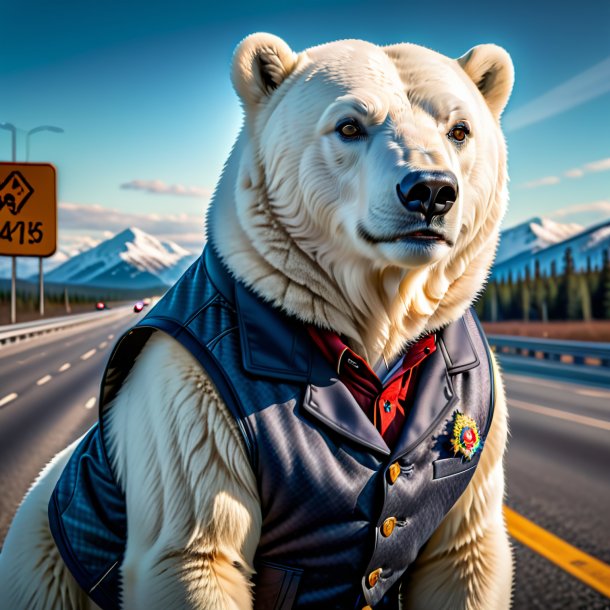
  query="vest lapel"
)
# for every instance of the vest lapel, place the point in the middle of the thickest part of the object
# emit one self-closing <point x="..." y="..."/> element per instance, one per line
<point x="333" y="404"/>
<point x="435" y="393"/>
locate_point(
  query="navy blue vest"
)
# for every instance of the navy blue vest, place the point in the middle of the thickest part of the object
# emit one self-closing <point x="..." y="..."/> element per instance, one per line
<point x="343" y="515"/>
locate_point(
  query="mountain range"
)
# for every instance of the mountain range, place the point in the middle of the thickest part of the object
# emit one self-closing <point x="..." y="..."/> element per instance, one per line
<point x="136" y="260"/>
<point x="131" y="259"/>
<point x="542" y="242"/>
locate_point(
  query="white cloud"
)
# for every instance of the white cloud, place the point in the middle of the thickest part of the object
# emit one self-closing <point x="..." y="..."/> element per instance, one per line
<point x="576" y="172"/>
<point x="580" y="89"/>
<point x="159" y="187"/>
<point x="84" y="221"/>
<point x="71" y="244"/>
<point x="540" y="182"/>
<point x="598" y="166"/>
<point x="600" y="208"/>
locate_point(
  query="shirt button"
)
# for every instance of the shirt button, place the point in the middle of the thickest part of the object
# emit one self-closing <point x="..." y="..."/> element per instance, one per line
<point x="394" y="472"/>
<point x="374" y="577"/>
<point x="388" y="526"/>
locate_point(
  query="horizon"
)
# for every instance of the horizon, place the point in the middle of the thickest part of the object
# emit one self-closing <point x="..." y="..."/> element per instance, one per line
<point x="64" y="256"/>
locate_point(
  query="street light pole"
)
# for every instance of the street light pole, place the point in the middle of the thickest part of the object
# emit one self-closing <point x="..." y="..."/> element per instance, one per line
<point x="27" y="158"/>
<point x="36" y="130"/>
<point x="10" y="127"/>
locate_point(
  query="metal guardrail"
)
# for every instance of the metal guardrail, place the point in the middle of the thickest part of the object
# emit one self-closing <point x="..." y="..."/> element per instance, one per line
<point x="580" y="353"/>
<point x="17" y="332"/>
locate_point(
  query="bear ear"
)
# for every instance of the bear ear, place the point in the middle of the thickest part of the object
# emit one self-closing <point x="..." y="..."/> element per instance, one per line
<point x="260" y="64"/>
<point x="491" y="69"/>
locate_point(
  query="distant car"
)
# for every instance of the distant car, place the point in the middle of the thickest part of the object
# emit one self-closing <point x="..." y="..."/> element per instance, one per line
<point x="138" y="307"/>
<point x="101" y="305"/>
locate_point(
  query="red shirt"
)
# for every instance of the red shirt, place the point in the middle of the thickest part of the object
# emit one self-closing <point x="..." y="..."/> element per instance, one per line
<point x="386" y="404"/>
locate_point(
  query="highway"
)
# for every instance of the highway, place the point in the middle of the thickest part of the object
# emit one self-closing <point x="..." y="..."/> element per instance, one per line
<point x="558" y="473"/>
<point x="557" y="463"/>
<point x="48" y="397"/>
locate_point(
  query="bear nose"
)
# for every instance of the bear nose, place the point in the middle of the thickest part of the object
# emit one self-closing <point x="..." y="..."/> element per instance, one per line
<point x="432" y="193"/>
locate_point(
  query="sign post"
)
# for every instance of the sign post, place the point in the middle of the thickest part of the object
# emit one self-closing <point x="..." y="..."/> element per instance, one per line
<point x="28" y="214"/>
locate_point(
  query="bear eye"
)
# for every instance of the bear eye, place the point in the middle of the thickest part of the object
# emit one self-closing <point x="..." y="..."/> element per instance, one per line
<point x="459" y="132"/>
<point x="350" y="129"/>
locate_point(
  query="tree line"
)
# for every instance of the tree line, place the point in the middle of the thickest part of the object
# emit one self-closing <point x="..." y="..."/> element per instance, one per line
<point x="571" y="295"/>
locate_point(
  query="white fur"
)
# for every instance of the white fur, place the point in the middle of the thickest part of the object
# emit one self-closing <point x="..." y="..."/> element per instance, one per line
<point x="287" y="218"/>
<point x="32" y="573"/>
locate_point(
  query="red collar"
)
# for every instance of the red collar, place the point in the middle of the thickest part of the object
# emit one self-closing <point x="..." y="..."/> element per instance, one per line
<point x="386" y="403"/>
<point x="344" y="359"/>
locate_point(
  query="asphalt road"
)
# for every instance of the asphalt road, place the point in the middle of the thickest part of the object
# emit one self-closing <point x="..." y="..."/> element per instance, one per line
<point x="558" y="462"/>
<point x="55" y="378"/>
<point x="558" y="474"/>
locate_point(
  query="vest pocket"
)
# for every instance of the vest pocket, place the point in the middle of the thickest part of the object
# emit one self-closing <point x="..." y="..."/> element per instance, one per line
<point x="447" y="467"/>
<point x="275" y="586"/>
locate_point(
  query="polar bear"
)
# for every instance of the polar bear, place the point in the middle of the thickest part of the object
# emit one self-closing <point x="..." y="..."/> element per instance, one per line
<point x="363" y="196"/>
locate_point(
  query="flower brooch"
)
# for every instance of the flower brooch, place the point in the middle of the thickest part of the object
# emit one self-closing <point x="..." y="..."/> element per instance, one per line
<point x="466" y="438"/>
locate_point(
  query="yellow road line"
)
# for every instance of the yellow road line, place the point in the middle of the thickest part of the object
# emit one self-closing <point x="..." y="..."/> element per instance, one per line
<point x="587" y="569"/>
<point x="571" y="417"/>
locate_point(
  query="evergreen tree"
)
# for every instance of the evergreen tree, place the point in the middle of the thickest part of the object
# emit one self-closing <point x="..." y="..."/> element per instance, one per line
<point x="526" y="296"/>
<point x="569" y="302"/>
<point x="585" y="297"/>
<point x="539" y="294"/>
<point x="605" y="287"/>
<point x="552" y="291"/>
<point x="504" y="300"/>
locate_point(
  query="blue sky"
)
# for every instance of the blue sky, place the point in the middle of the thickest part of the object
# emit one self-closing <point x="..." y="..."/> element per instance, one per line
<point x="142" y="91"/>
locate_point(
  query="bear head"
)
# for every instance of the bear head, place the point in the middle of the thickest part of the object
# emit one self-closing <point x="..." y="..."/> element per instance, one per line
<point x="366" y="189"/>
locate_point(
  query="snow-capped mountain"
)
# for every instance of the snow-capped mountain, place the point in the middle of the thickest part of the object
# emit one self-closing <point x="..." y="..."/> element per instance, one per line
<point x="130" y="259"/>
<point x="532" y="236"/>
<point x="588" y="248"/>
<point x="27" y="266"/>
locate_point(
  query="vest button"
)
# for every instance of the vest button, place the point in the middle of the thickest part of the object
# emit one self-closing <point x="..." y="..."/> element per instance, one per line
<point x="394" y="472"/>
<point x="388" y="526"/>
<point x="374" y="577"/>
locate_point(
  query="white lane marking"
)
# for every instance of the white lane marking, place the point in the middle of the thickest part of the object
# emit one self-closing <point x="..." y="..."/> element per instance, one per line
<point x="90" y="403"/>
<point x="8" y="398"/>
<point x="534" y="381"/>
<point x="571" y="417"/>
<point x="110" y="337"/>
<point x="44" y="380"/>
<point x="103" y="344"/>
<point x="64" y="367"/>
<point x="39" y="355"/>
<point x="88" y="355"/>
<point x="594" y="393"/>
<point x="558" y="385"/>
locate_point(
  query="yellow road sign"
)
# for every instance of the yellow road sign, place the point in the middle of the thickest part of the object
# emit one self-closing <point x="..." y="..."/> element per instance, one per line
<point x="28" y="209"/>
